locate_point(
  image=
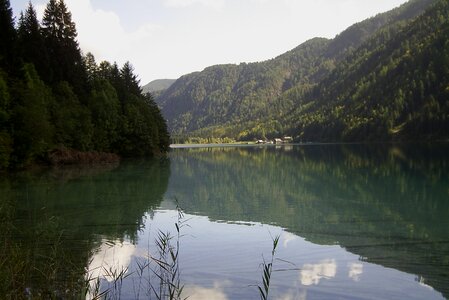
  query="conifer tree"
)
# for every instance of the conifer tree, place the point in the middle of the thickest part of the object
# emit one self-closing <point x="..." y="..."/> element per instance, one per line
<point x="91" y="67"/>
<point x="31" y="42"/>
<point x="5" y="137"/>
<point x="60" y="35"/>
<point x="8" y="37"/>
<point x="33" y="131"/>
<point x="104" y="70"/>
<point x="130" y="81"/>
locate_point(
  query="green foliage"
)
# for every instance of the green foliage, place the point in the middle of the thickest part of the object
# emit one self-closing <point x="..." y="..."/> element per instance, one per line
<point x="5" y="138"/>
<point x="40" y="250"/>
<point x="33" y="131"/>
<point x="58" y="99"/>
<point x="385" y="78"/>
<point x="302" y="189"/>
<point x="65" y="56"/>
<point x="31" y="43"/>
<point x="67" y="113"/>
<point x="4" y="101"/>
<point x="105" y="108"/>
<point x="391" y="88"/>
<point x="267" y="270"/>
<point x="230" y="94"/>
<point x="5" y="149"/>
<point x="8" y="37"/>
<point x="158" y="85"/>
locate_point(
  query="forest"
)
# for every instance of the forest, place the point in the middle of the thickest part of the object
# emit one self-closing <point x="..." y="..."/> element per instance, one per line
<point x="383" y="79"/>
<point x="55" y="99"/>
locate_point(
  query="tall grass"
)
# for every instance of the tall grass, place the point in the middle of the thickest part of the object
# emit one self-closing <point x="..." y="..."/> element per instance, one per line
<point x="267" y="268"/>
<point x="167" y="262"/>
<point x="155" y="276"/>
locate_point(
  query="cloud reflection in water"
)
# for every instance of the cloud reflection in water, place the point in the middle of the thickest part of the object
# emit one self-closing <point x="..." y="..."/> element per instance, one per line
<point x="195" y="292"/>
<point x="355" y="270"/>
<point x="311" y="274"/>
<point x="112" y="256"/>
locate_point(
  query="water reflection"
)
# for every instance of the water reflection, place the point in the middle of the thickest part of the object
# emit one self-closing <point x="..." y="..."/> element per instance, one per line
<point x="355" y="271"/>
<point x="311" y="274"/>
<point x="386" y="203"/>
<point x="202" y="293"/>
<point x="55" y="223"/>
<point x="112" y="257"/>
<point x="354" y="220"/>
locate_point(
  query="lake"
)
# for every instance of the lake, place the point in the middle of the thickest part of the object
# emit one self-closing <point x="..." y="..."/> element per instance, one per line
<point x="354" y="222"/>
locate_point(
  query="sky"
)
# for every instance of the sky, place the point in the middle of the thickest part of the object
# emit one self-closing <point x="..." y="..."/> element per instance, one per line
<point x="170" y="38"/>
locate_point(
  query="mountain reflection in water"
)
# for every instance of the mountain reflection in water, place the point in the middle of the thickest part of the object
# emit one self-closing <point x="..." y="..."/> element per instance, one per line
<point x="386" y="203"/>
<point x="356" y="221"/>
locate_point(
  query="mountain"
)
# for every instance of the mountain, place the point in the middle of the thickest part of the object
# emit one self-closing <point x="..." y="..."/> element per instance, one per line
<point x="232" y="93"/>
<point x="157" y="85"/>
<point x="294" y="92"/>
<point x="395" y="86"/>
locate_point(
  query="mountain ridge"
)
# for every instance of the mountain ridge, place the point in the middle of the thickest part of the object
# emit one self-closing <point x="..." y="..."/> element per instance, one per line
<point x="157" y="85"/>
<point x="254" y="100"/>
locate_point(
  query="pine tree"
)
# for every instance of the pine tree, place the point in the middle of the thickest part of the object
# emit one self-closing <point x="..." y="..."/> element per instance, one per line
<point x="104" y="70"/>
<point x="8" y="37"/>
<point x="31" y="43"/>
<point x="91" y="67"/>
<point x="5" y="136"/>
<point x="60" y="35"/>
<point x="130" y="81"/>
<point x="51" y="19"/>
<point x="33" y="130"/>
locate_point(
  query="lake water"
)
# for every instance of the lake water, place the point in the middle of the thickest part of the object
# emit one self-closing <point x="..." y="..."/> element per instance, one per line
<point x="354" y="221"/>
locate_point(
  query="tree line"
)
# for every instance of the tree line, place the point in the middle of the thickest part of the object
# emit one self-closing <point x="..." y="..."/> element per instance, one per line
<point x="393" y="87"/>
<point x="383" y="79"/>
<point x="52" y="96"/>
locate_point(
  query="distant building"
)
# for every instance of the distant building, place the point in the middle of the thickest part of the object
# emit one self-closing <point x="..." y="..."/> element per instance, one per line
<point x="278" y="141"/>
<point x="287" y="139"/>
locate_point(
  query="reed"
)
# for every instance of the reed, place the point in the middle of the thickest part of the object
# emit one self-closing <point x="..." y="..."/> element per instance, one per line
<point x="157" y="275"/>
<point x="167" y="261"/>
<point x="267" y="268"/>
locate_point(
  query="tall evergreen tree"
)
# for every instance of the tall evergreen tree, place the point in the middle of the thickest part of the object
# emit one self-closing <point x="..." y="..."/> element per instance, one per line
<point x="105" y="109"/>
<point x="51" y="20"/>
<point x="8" y="37"/>
<point x="31" y="43"/>
<point x="104" y="70"/>
<point x="5" y="137"/>
<point x="33" y="131"/>
<point x="60" y="35"/>
<point x="50" y="95"/>
<point x="91" y="67"/>
<point x="129" y="79"/>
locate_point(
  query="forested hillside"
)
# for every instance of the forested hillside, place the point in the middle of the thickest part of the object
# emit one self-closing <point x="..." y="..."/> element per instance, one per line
<point x="53" y="97"/>
<point x="393" y="87"/>
<point x="300" y="93"/>
<point x="157" y="85"/>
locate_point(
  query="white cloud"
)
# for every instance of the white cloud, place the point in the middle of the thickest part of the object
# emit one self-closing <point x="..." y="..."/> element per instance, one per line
<point x="311" y="274"/>
<point x="99" y="31"/>
<point x="287" y="237"/>
<point x="110" y="258"/>
<point x="355" y="271"/>
<point x="102" y="33"/>
<point x="216" y="4"/>
<point x="162" y="42"/>
<point x="114" y="256"/>
<point x="201" y="293"/>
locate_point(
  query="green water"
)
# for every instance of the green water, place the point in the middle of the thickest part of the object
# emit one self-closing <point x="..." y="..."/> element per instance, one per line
<point x="356" y="221"/>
